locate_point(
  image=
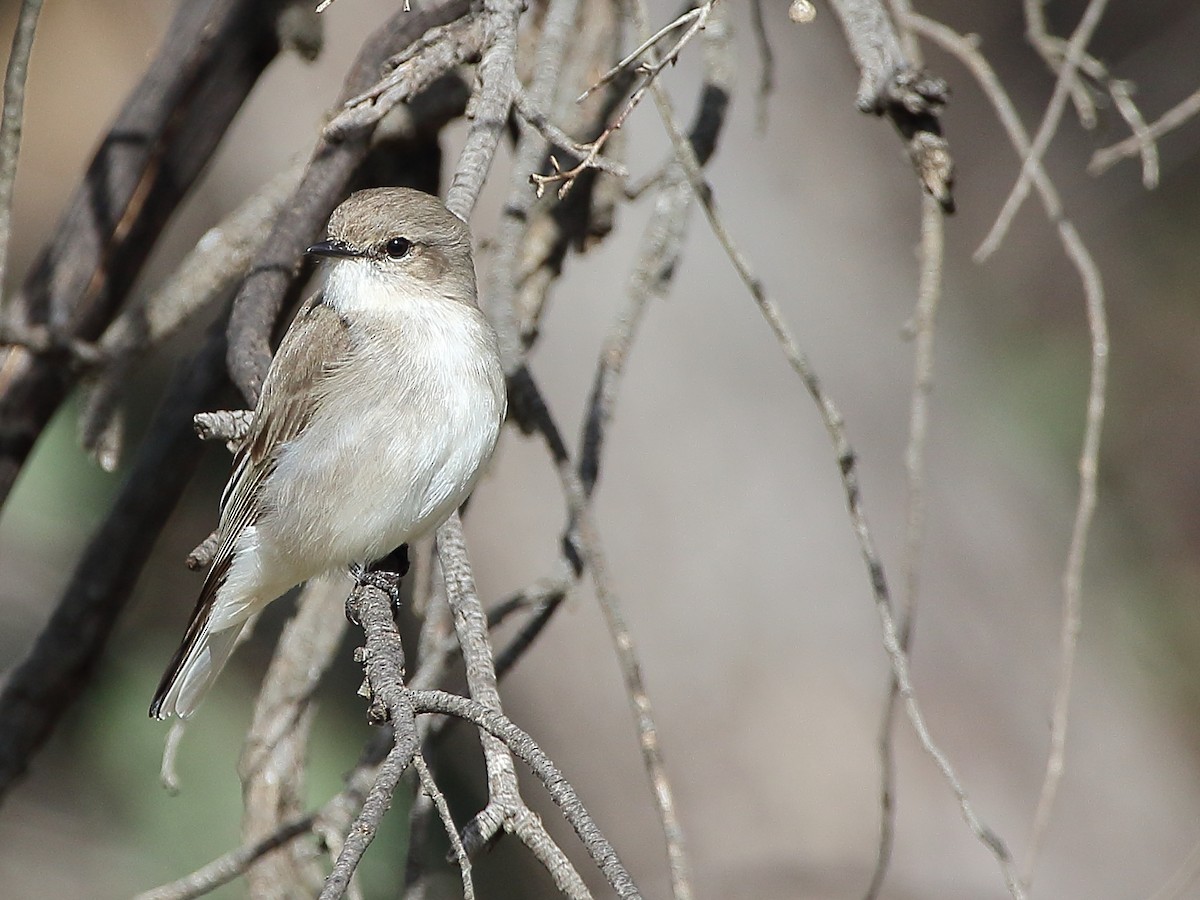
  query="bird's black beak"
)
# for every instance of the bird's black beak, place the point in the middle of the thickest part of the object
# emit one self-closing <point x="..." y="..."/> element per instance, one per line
<point x="332" y="249"/>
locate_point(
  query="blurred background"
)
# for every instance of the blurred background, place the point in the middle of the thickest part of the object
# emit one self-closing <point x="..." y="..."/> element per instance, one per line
<point x="719" y="500"/>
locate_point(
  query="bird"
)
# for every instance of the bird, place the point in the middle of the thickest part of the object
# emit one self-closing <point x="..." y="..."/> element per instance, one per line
<point x="379" y="411"/>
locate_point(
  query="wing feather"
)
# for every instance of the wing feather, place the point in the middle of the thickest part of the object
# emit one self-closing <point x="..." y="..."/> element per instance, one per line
<point x="316" y="344"/>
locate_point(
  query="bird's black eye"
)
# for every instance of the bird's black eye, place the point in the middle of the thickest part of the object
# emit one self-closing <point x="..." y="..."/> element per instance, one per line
<point x="398" y="247"/>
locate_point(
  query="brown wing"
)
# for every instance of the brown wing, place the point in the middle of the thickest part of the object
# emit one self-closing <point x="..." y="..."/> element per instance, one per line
<point x="315" y="344"/>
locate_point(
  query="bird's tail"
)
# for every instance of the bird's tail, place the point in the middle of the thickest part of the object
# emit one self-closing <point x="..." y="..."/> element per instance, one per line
<point x="202" y="653"/>
<point x="194" y="668"/>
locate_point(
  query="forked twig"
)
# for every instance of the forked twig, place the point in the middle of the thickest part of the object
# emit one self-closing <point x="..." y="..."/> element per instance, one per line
<point x="505" y="807"/>
<point x="649" y="68"/>
<point x="846" y="460"/>
<point x="1183" y="111"/>
<point x="1093" y="286"/>
<point x="1046" y="130"/>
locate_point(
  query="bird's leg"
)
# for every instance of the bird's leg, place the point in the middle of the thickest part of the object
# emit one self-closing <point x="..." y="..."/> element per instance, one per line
<point x="396" y="561"/>
<point x="384" y="574"/>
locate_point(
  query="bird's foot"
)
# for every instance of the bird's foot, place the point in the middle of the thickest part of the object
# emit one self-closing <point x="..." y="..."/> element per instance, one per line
<point x="388" y="582"/>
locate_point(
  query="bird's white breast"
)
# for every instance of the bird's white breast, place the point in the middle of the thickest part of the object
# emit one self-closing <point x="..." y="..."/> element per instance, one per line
<point x="401" y="432"/>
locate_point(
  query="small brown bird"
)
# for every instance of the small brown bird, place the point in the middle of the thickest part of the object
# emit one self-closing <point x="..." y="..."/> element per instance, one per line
<point x="379" y="411"/>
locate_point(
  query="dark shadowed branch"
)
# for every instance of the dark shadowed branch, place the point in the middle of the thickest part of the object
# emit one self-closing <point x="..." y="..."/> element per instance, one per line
<point x="169" y="128"/>
<point x="43" y="686"/>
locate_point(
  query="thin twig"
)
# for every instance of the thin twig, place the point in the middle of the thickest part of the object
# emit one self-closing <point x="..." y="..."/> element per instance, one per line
<point x="424" y="61"/>
<point x="1183" y="111"/>
<point x="559" y="789"/>
<point x="1050" y="49"/>
<point x="1046" y="130"/>
<point x="11" y="120"/>
<point x="649" y="69"/>
<point x="1093" y="75"/>
<point x="847" y="464"/>
<point x="555" y="230"/>
<point x="1093" y="286"/>
<point x="696" y="16"/>
<point x="439" y="802"/>
<point x="536" y="117"/>
<point x="928" y="293"/>
<point x="229" y="866"/>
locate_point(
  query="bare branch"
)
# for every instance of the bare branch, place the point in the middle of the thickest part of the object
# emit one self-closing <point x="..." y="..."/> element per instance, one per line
<point x="1183" y="111"/>
<point x="847" y="464"/>
<point x="224" y="869"/>
<point x="424" y="61"/>
<point x="11" y="119"/>
<point x="1046" y="130"/>
<point x="501" y="285"/>
<point x="553" y="229"/>
<point x="1093" y="286"/>
<point x="490" y="105"/>
<point x="209" y="60"/>
<point x="505" y="807"/>
<point x="928" y="294"/>
<point x="649" y="69"/>
<point x="534" y="115"/>
<point x="1093" y="76"/>
<point x="383" y="660"/>
<point x="559" y="789"/>
<point x="439" y="801"/>
<point x="890" y="85"/>
<point x="43" y="686"/>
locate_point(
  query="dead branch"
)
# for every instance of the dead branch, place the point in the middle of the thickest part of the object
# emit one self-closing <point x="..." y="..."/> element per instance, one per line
<point x="211" y="57"/>
<point x="490" y="104"/>
<point x="11" y="119"/>
<point x="1046" y="129"/>
<point x="505" y="807"/>
<point x="1103" y="159"/>
<point x="890" y="85"/>
<point x="1093" y="287"/>
<point x="42" y="688"/>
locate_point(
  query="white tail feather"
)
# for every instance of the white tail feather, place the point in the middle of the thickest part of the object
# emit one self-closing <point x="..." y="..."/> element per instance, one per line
<point x="199" y="669"/>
